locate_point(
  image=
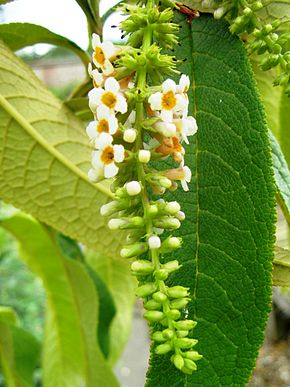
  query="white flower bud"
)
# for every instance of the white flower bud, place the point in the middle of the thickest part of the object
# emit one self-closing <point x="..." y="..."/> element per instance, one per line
<point x="133" y="188"/>
<point x="109" y="208"/>
<point x="130" y="135"/>
<point x="154" y="242"/>
<point x="180" y="215"/>
<point x="144" y="156"/>
<point x="172" y="208"/>
<point x="115" y="224"/>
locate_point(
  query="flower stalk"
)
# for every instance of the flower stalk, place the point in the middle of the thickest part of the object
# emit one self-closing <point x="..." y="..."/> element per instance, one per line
<point x="140" y="120"/>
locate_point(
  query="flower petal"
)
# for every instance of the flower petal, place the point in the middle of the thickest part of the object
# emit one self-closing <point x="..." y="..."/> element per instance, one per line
<point x="121" y="104"/>
<point x="155" y="101"/>
<point x="108" y="49"/>
<point x="166" y="115"/>
<point x="95" y="174"/>
<point x="96" y="160"/>
<point x="168" y="85"/>
<point x="184" y="84"/>
<point x="110" y="170"/>
<point x="96" y="41"/>
<point x="108" y="68"/>
<point x="95" y="97"/>
<point x="103" y="140"/>
<point x="119" y="153"/>
<point x="91" y="130"/>
<point x="112" y="85"/>
<point x="113" y="124"/>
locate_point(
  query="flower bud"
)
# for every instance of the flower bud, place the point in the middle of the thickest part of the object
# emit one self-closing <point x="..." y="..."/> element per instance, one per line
<point x="168" y="333"/>
<point x="193" y="355"/>
<point x="171" y="208"/>
<point x="152" y="210"/>
<point x="115" y="223"/>
<point x="133" y="188"/>
<point x="185" y="343"/>
<point x="159" y="297"/>
<point x="167" y="223"/>
<point x="181" y="334"/>
<point x="173" y="314"/>
<point x="178" y="361"/>
<point x="171" y="266"/>
<point x="190" y="365"/>
<point x="133" y="250"/>
<point x="146" y="290"/>
<point x="180" y="215"/>
<point x="185" y="324"/>
<point x="162" y="349"/>
<point x="179" y="303"/>
<point x="158" y="336"/>
<point x="154" y="242"/>
<point x="153" y="315"/>
<point x="144" y="156"/>
<point x="152" y="305"/>
<point x="164" y="182"/>
<point x="161" y="274"/>
<point x="142" y="267"/>
<point x="177" y="292"/>
<point x="130" y="135"/>
<point x="170" y="244"/>
<point x="110" y="208"/>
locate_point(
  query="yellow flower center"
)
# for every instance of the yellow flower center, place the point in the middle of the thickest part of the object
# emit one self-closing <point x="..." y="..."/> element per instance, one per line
<point x="103" y="126"/>
<point x="109" y="99"/>
<point x="168" y="100"/>
<point x="99" y="56"/>
<point x="107" y="156"/>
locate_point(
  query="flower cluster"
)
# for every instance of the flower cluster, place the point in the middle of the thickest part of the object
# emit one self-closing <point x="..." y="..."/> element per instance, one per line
<point x="135" y="128"/>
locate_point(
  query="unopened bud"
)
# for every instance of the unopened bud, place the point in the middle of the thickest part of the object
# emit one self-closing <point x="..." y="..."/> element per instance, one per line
<point x="168" y="333"/>
<point x="177" y="292"/>
<point x="152" y="210"/>
<point x="153" y="315"/>
<point x="159" y="297"/>
<point x="185" y="343"/>
<point x="144" y="156"/>
<point x="170" y="244"/>
<point x="178" y="361"/>
<point x="164" y="182"/>
<point x="173" y="314"/>
<point x="133" y="250"/>
<point x="193" y="355"/>
<point x="167" y="223"/>
<point x="142" y="267"/>
<point x="181" y="334"/>
<point x="146" y="290"/>
<point x="171" y="266"/>
<point x="162" y="349"/>
<point x="130" y="135"/>
<point x="115" y="224"/>
<point x="190" y="365"/>
<point x="154" y="242"/>
<point x="186" y="325"/>
<point x="158" y="336"/>
<point x="152" y="305"/>
<point x="133" y="188"/>
<point x="179" y="303"/>
<point x="110" y="208"/>
<point x="161" y="274"/>
<point x="171" y="208"/>
<point x="180" y="215"/>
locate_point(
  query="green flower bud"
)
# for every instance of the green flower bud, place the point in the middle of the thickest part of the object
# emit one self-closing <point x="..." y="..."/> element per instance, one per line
<point x="159" y="297"/>
<point x="142" y="267"/>
<point x="161" y="274"/>
<point x="270" y="62"/>
<point x="257" y="5"/>
<point x="173" y="314"/>
<point x="164" y="182"/>
<point x="153" y="15"/>
<point x="178" y="361"/>
<point x="153" y="315"/>
<point x="133" y="250"/>
<point x="168" y="333"/>
<point x="190" y="364"/>
<point x="193" y="355"/>
<point x="181" y="334"/>
<point x="167" y="222"/>
<point x="158" y="336"/>
<point x="185" y="324"/>
<point x="186" y="371"/>
<point x="170" y="244"/>
<point x="146" y="290"/>
<point x="247" y="11"/>
<point x="185" y="342"/>
<point x="152" y="210"/>
<point x="167" y="15"/>
<point x="179" y="303"/>
<point x="152" y="305"/>
<point x="171" y="208"/>
<point x="162" y="349"/>
<point x="177" y="292"/>
<point x="171" y="266"/>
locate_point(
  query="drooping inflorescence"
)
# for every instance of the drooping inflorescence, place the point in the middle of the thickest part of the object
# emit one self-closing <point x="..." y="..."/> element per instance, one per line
<point x="141" y="119"/>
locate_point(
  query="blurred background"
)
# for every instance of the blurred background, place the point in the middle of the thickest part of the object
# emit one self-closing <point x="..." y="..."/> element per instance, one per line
<point x="62" y="71"/>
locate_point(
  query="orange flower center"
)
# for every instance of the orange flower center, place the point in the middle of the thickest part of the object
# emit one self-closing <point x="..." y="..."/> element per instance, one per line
<point x="107" y="156"/>
<point x="168" y="100"/>
<point x="176" y="144"/>
<point x="103" y="126"/>
<point x="99" y="56"/>
<point x="109" y="99"/>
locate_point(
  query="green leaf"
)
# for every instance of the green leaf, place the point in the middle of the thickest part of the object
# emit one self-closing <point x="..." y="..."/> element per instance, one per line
<point x="80" y="106"/>
<point x="71" y="356"/>
<point x="91" y="10"/>
<point x="44" y="158"/>
<point x="20" y="35"/>
<point x="281" y="271"/>
<point x="277" y="106"/>
<point x="282" y="177"/>
<point x="19" y="351"/>
<point x="5" y="1"/>
<point x="117" y="276"/>
<point x="230" y="211"/>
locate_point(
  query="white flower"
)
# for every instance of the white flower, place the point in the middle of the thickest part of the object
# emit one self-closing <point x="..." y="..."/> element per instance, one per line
<point x="186" y="127"/>
<point x="154" y="242"/>
<point x="110" y="97"/>
<point x="106" y="123"/>
<point x="102" y="54"/>
<point x="169" y="101"/>
<point x="98" y="78"/>
<point x="133" y="188"/>
<point x="107" y="155"/>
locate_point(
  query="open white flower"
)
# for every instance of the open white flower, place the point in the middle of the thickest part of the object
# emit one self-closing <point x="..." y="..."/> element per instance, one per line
<point x="169" y="101"/>
<point x="103" y="52"/>
<point x="106" y="123"/>
<point x="186" y="127"/>
<point x="183" y="173"/>
<point x="107" y="155"/>
<point x="109" y="96"/>
<point x="98" y="78"/>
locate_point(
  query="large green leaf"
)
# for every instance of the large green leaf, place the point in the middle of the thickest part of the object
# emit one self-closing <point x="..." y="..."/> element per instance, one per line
<point x="71" y="356"/>
<point x="19" y="351"/>
<point x="20" y="35"/>
<point x="44" y="157"/>
<point x="282" y="177"/>
<point x="230" y="211"/>
<point x="116" y="274"/>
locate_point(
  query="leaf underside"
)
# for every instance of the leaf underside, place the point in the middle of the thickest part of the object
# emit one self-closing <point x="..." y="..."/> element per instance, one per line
<point x="229" y="229"/>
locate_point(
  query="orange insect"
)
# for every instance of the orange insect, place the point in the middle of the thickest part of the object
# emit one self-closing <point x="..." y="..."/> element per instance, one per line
<point x="191" y="13"/>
